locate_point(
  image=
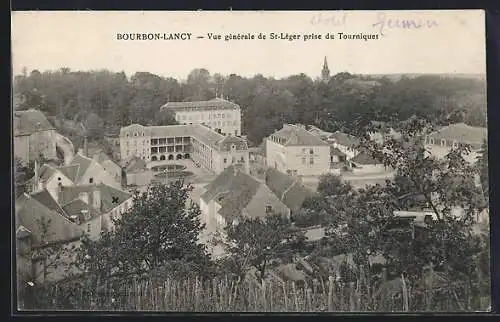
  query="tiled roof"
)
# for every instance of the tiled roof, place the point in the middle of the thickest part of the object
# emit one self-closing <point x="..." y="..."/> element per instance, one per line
<point x="295" y="135"/>
<point x="77" y="207"/>
<point x="45" y="198"/>
<point x="28" y="213"/>
<point x="344" y="139"/>
<point x="233" y="190"/>
<point x="364" y="158"/>
<point x="462" y="133"/>
<point x="108" y="194"/>
<point x="171" y="130"/>
<point x="70" y="171"/>
<point x="46" y="172"/>
<point x="83" y="162"/>
<point x="216" y="103"/>
<point x="226" y="143"/>
<point x="287" y="188"/>
<point x="30" y="121"/>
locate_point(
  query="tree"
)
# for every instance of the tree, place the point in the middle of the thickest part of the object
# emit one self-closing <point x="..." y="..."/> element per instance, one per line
<point x="23" y="173"/>
<point x="261" y="243"/>
<point x="332" y="185"/>
<point x="162" y="226"/>
<point x="447" y="186"/>
<point x="483" y="169"/>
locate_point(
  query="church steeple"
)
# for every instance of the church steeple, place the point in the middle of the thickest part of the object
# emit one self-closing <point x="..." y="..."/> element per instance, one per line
<point x="325" y="72"/>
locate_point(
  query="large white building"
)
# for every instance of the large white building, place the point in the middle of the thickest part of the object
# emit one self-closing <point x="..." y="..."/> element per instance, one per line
<point x="206" y="147"/>
<point x="294" y="150"/>
<point x="221" y="115"/>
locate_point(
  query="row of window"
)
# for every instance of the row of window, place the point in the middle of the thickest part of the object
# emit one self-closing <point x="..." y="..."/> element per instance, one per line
<point x="304" y="160"/>
<point x="136" y="134"/>
<point x="442" y="142"/>
<point x="233" y="160"/>
<point x="311" y="150"/>
<point x="163" y="141"/>
<point x="196" y="117"/>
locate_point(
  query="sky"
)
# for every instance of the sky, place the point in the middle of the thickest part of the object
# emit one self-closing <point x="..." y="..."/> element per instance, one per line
<point x="436" y="42"/>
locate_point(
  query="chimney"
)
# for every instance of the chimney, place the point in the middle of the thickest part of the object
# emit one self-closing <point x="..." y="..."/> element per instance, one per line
<point x="58" y="192"/>
<point x="85" y="146"/>
<point x="96" y="199"/>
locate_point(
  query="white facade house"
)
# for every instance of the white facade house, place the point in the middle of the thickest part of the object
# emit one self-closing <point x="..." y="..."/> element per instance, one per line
<point x="293" y="150"/>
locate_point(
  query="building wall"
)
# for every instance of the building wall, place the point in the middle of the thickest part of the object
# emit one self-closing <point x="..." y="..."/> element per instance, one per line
<point x="113" y="169"/>
<point x="349" y="152"/>
<point x="369" y="168"/>
<point x="262" y="198"/>
<point x="135" y="143"/>
<point x="228" y="121"/>
<point x="96" y="172"/>
<point x="275" y="156"/>
<point x="205" y="211"/>
<point x="52" y="185"/>
<point x="226" y="159"/>
<point x="29" y="147"/>
<point x="142" y="178"/>
<point x="299" y="158"/>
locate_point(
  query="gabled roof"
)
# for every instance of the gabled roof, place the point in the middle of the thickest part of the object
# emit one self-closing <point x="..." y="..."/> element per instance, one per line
<point x="28" y="213"/>
<point x="295" y="135"/>
<point x="344" y="139"/>
<point x="70" y="171"/>
<point x="288" y="189"/>
<point x="46" y="172"/>
<point x="216" y="103"/>
<point x="226" y="143"/>
<point x="45" y="198"/>
<point x="23" y="232"/>
<point x="30" y="121"/>
<point x="233" y="190"/>
<point x="462" y="132"/>
<point x="77" y="207"/>
<point x="83" y="164"/>
<point x="110" y="197"/>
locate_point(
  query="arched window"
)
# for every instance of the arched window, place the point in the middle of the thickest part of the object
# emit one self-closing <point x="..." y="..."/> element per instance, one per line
<point x="154" y="158"/>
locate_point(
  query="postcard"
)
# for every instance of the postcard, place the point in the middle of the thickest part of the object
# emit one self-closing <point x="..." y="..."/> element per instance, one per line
<point x="250" y="161"/>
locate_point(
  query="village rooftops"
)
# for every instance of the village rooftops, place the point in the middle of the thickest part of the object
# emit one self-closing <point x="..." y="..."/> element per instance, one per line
<point x="213" y="104"/>
<point x="461" y="132"/>
<point x="296" y="135"/>
<point x="364" y="157"/>
<point x="30" y="121"/>
<point x="233" y="190"/>
<point x="344" y="139"/>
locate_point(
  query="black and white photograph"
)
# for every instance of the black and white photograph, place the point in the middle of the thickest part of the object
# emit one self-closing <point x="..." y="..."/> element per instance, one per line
<point x="250" y="161"/>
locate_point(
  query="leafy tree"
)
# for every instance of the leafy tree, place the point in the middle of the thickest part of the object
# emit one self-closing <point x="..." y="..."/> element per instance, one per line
<point x="483" y="169"/>
<point x="261" y="243"/>
<point x="23" y="173"/>
<point x="332" y="185"/>
<point x="160" y="227"/>
<point x="445" y="185"/>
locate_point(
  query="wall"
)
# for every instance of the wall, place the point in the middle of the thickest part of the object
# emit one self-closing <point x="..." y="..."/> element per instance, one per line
<point x="321" y="158"/>
<point x="369" y="168"/>
<point x="275" y="155"/>
<point x="204" y="208"/>
<point x="349" y="152"/>
<point x="95" y="227"/>
<point x="142" y="178"/>
<point x="96" y="171"/>
<point x="21" y="147"/>
<point x="228" y="124"/>
<point x="52" y="184"/>
<point x="113" y="169"/>
<point x="237" y="155"/>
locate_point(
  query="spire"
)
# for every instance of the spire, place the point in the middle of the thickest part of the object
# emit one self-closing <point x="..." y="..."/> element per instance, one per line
<point x="325" y="72"/>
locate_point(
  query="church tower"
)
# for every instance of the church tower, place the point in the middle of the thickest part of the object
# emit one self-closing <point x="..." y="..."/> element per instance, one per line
<point x="325" y="72"/>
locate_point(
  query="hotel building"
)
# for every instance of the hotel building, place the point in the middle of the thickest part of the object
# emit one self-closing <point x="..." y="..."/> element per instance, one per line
<point x="219" y="114"/>
<point x="206" y="147"/>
